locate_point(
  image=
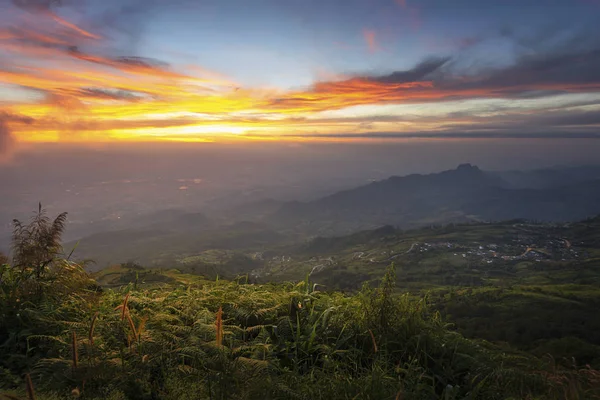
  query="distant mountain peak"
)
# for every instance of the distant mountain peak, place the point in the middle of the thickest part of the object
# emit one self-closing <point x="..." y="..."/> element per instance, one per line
<point x="467" y="167"/>
<point x="465" y="193"/>
<point x="469" y="172"/>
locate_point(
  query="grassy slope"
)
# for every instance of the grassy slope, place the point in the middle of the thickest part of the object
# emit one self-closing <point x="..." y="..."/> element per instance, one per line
<point x="525" y="302"/>
<point x="275" y="341"/>
<point x="542" y="307"/>
<point x="543" y="304"/>
<point x="168" y="247"/>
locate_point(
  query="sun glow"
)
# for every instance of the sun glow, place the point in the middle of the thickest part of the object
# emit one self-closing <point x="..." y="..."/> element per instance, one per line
<point x="61" y="82"/>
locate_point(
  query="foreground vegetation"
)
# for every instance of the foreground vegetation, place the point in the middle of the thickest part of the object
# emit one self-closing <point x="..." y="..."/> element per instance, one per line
<point x="533" y="286"/>
<point x="63" y="335"/>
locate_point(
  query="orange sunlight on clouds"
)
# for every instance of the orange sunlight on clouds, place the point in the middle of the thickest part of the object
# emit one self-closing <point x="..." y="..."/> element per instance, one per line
<point x="71" y="89"/>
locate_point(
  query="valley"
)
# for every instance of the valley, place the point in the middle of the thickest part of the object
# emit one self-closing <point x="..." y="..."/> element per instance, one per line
<point x="535" y="286"/>
<point x="520" y="294"/>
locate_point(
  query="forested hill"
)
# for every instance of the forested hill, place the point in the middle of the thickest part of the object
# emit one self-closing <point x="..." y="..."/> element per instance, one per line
<point x="460" y="195"/>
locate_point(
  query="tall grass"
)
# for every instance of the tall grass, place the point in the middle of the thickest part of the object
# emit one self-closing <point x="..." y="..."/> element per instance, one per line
<point x="228" y="340"/>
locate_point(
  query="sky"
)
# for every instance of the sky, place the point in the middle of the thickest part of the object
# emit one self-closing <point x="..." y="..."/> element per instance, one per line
<point x="90" y="71"/>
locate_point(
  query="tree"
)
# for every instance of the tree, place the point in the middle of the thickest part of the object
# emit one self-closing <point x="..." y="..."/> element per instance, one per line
<point x="39" y="273"/>
<point x="38" y="244"/>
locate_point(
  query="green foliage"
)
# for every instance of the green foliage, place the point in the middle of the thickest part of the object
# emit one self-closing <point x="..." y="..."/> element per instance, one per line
<point x="279" y="342"/>
<point x="37" y="244"/>
<point x="540" y="319"/>
<point x="37" y="284"/>
<point x="148" y="337"/>
<point x="476" y="276"/>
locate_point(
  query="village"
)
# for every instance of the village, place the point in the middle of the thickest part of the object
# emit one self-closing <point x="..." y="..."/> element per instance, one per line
<point x="517" y="249"/>
<point x="520" y="248"/>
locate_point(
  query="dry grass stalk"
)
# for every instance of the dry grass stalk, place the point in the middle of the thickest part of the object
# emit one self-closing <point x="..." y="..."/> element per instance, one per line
<point x="9" y="397"/>
<point x="400" y="395"/>
<point x="132" y="326"/>
<point x="124" y="307"/>
<point x="141" y="327"/>
<point x="75" y="356"/>
<point x="373" y="340"/>
<point x="30" y="390"/>
<point x="219" y="326"/>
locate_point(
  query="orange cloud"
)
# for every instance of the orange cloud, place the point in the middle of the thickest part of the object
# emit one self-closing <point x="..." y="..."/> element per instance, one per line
<point x="83" y="92"/>
<point x="351" y="92"/>
<point x="73" y="26"/>
<point x="360" y="91"/>
<point x="371" y="39"/>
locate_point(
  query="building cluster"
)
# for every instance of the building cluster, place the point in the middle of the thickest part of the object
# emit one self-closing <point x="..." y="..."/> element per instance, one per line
<point x="525" y="248"/>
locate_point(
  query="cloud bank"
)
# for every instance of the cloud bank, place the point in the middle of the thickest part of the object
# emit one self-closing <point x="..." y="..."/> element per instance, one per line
<point x="77" y="78"/>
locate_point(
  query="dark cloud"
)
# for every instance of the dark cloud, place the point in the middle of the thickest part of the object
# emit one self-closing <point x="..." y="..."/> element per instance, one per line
<point x="451" y="135"/>
<point x="421" y="72"/>
<point x="536" y="94"/>
<point x="109" y="94"/>
<point x="563" y="69"/>
<point x="142" y="62"/>
<point x="557" y="57"/>
<point x="22" y="119"/>
<point x="546" y="70"/>
<point x="142" y="65"/>
<point x="531" y="76"/>
<point x="576" y="121"/>
<point x="82" y="125"/>
<point x="585" y="118"/>
<point x="545" y="58"/>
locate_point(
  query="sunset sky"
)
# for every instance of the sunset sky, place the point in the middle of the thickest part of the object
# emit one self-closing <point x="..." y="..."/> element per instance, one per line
<point x="228" y="70"/>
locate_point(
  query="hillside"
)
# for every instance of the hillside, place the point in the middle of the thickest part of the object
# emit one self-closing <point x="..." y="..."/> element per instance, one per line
<point x="460" y="195"/>
<point x="455" y="251"/>
<point x="184" y="240"/>
<point x="233" y="340"/>
<point x="531" y="285"/>
<point x="478" y="311"/>
<point x="171" y="238"/>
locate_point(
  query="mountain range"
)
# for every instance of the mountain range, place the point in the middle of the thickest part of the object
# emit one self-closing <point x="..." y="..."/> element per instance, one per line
<point x="460" y="195"/>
